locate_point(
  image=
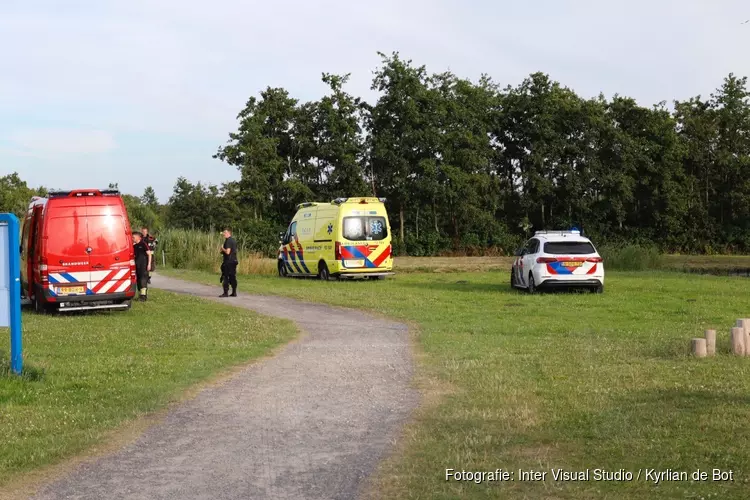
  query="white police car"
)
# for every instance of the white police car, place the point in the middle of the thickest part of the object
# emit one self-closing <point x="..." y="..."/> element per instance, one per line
<point x="558" y="259"/>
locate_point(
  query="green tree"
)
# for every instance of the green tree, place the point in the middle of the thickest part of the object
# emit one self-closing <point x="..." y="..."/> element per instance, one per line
<point x="149" y="199"/>
<point x="340" y="142"/>
<point x="15" y="194"/>
<point x="396" y="131"/>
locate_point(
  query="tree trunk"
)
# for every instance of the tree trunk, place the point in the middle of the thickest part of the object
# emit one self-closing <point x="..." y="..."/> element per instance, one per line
<point x="401" y="220"/>
<point x="417" y="222"/>
<point x="435" y="213"/>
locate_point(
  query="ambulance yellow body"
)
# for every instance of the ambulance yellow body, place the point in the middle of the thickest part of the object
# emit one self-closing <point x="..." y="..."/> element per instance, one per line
<point x="347" y="238"/>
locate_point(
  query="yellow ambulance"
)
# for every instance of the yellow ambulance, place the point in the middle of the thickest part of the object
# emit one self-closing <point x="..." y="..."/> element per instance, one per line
<point x="347" y="238"/>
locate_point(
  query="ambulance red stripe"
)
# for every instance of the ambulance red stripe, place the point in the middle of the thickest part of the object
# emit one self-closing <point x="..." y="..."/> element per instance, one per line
<point x="346" y="254"/>
<point x="381" y="258"/>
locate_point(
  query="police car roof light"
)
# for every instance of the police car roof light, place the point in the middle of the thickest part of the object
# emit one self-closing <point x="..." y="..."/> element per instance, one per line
<point x="338" y="201"/>
<point x="382" y="200"/>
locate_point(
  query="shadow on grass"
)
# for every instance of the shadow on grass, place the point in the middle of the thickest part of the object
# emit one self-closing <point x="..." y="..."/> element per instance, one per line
<point x="29" y="372"/>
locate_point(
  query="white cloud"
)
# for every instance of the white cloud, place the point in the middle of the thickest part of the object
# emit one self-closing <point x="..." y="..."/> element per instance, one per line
<point x="47" y="142"/>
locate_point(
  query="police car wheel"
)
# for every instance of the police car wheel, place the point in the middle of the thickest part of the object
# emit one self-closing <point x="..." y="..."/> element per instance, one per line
<point x="532" y="284"/>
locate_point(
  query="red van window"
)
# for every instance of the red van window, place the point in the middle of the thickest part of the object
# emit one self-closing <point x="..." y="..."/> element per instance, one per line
<point x="107" y="234"/>
<point x="67" y="236"/>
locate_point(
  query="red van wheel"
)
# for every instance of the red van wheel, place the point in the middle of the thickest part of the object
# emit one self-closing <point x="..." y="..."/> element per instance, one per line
<point x="42" y="307"/>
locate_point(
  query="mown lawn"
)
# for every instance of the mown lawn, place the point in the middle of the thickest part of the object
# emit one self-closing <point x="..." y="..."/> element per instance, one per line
<point x="88" y="374"/>
<point x="572" y="381"/>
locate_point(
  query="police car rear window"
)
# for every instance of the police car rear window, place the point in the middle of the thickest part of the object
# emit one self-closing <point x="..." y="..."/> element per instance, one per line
<point x="568" y="248"/>
<point x="365" y="228"/>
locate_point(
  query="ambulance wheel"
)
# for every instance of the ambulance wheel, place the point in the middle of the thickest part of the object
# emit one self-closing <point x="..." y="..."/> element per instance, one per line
<point x="283" y="273"/>
<point x="323" y="272"/>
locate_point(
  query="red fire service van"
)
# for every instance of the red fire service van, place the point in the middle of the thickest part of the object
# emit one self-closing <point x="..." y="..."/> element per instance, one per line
<point x="77" y="252"/>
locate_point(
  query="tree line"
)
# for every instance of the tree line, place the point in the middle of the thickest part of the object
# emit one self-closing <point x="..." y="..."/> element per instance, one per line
<point x="470" y="166"/>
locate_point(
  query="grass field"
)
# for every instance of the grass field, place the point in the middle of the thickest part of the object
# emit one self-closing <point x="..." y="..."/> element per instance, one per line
<point x="89" y="374"/>
<point x="572" y="381"/>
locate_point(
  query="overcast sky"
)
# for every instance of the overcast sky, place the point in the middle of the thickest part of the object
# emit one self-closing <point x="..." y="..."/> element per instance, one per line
<point x="139" y="92"/>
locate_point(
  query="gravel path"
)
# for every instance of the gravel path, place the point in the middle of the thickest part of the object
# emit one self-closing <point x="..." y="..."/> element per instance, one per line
<point x="309" y="423"/>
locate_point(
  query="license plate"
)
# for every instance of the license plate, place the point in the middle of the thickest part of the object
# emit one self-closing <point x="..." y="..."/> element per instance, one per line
<point x="70" y="290"/>
<point x="354" y="263"/>
<point x="572" y="264"/>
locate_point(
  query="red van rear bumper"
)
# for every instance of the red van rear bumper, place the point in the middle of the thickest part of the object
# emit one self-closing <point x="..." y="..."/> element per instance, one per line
<point x="81" y="302"/>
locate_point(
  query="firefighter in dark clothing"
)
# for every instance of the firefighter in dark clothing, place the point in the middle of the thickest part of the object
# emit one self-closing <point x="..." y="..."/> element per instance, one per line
<point x="151" y="244"/>
<point x="142" y="265"/>
<point x="229" y="264"/>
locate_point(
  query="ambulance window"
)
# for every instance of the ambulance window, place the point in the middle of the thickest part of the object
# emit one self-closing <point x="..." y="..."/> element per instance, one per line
<point x="354" y="228"/>
<point x="377" y="229"/>
<point x="365" y="228"/>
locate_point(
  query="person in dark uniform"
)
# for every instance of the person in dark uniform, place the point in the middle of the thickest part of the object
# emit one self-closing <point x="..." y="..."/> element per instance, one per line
<point x="151" y="244"/>
<point x="229" y="264"/>
<point x="142" y="265"/>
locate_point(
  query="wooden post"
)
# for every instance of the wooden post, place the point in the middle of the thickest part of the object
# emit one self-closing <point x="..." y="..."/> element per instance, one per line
<point x="699" y="347"/>
<point x="738" y="341"/>
<point x="711" y="342"/>
<point x="744" y="324"/>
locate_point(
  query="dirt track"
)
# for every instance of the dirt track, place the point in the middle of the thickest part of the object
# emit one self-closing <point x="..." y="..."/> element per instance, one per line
<point x="310" y="423"/>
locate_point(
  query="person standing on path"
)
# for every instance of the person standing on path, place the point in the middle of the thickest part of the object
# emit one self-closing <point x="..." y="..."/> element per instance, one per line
<point x="142" y="265"/>
<point x="151" y="244"/>
<point x="229" y="264"/>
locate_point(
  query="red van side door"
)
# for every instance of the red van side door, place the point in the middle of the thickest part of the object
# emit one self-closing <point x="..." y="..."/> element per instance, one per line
<point x="110" y="245"/>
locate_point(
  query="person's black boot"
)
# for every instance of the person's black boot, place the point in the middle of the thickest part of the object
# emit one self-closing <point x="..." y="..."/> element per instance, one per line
<point x="234" y="292"/>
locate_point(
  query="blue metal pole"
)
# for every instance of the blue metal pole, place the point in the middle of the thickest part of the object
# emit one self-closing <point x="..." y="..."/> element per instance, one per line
<point x="16" y="358"/>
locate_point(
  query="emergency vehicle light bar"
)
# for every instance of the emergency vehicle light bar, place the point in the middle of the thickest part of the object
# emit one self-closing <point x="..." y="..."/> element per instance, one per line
<point x="365" y="199"/>
<point x="560" y="232"/>
<point x="306" y="204"/>
<point x="84" y="192"/>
